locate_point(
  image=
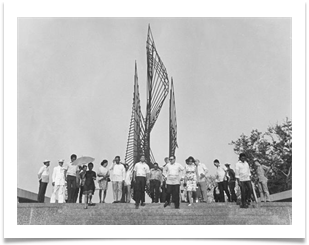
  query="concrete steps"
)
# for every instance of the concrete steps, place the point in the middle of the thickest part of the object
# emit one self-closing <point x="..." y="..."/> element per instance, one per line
<point x="154" y="214"/>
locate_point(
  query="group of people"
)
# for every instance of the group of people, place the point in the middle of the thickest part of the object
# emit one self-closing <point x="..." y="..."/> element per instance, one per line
<point x="68" y="182"/>
<point x="171" y="182"/>
<point x="226" y="180"/>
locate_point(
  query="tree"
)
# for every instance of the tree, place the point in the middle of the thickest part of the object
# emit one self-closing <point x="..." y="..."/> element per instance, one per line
<point x="274" y="149"/>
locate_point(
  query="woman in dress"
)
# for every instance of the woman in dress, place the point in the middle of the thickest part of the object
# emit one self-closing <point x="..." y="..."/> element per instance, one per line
<point x="103" y="176"/>
<point x="191" y="178"/>
<point x="89" y="186"/>
<point x="127" y="184"/>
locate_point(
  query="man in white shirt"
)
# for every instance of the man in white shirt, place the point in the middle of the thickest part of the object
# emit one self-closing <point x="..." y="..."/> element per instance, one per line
<point x="140" y="178"/>
<point x="58" y="181"/>
<point x="221" y="179"/>
<point x="202" y="171"/>
<point x="173" y="172"/>
<point x="71" y="172"/>
<point x="43" y="176"/>
<point x="119" y="174"/>
<point x="243" y="177"/>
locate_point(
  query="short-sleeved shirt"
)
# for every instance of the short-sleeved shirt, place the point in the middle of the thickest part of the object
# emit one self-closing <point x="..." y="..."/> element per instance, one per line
<point x="72" y="170"/>
<point x="141" y="169"/>
<point x="220" y="174"/>
<point x="43" y="174"/>
<point x="173" y="173"/>
<point x="156" y="174"/>
<point x="119" y="173"/>
<point x="242" y="171"/>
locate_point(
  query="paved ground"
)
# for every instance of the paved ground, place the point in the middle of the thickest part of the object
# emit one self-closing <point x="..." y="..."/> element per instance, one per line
<point x="277" y="213"/>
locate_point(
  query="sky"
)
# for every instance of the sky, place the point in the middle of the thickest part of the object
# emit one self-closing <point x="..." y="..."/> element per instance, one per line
<point x="76" y="75"/>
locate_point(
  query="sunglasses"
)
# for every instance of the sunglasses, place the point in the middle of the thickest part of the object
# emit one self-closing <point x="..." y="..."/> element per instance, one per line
<point x="171" y="158"/>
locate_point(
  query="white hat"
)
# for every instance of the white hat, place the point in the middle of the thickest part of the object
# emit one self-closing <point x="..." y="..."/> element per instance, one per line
<point x="61" y="160"/>
<point x="46" y="161"/>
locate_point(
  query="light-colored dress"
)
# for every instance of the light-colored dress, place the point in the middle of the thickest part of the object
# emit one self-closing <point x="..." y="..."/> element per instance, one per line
<point x="102" y="181"/>
<point x="190" y="176"/>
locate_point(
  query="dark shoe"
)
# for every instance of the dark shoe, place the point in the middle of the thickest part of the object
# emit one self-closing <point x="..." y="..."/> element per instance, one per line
<point x="143" y="204"/>
<point x="244" y="206"/>
<point x="136" y="205"/>
<point x="166" y="204"/>
<point x="177" y="208"/>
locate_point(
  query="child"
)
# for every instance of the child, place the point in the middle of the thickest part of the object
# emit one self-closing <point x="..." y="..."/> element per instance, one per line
<point x="89" y="185"/>
<point x="216" y="194"/>
<point x="82" y="174"/>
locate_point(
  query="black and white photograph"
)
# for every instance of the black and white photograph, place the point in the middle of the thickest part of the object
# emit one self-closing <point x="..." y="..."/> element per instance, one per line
<point x="183" y="121"/>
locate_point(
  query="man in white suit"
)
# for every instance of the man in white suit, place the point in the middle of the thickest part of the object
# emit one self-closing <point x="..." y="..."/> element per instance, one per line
<point x="58" y="182"/>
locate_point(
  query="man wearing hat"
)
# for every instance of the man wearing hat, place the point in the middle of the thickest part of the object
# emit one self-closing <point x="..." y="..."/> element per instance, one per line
<point x="43" y="176"/>
<point x="58" y="181"/>
<point x="231" y="181"/>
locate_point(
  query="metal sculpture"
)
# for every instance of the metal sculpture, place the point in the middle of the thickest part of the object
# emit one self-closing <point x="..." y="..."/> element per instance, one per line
<point x="157" y="90"/>
<point x="172" y="122"/>
<point x="136" y="129"/>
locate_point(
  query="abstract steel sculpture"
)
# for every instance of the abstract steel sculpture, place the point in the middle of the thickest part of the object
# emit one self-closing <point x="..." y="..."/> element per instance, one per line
<point x="157" y="90"/>
<point x="173" y="123"/>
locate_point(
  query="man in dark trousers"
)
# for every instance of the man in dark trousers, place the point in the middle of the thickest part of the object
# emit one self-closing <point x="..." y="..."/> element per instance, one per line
<point x="221" y="180"/>
<point x="140" y="179"/>
<point x="243" y="177"/>
<point x="231" y="181"/>
<point x="173" y="172"/>
<point x="71" y="172"/>
<point x="155" y="182"/>
<point x="43" y="176"/>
